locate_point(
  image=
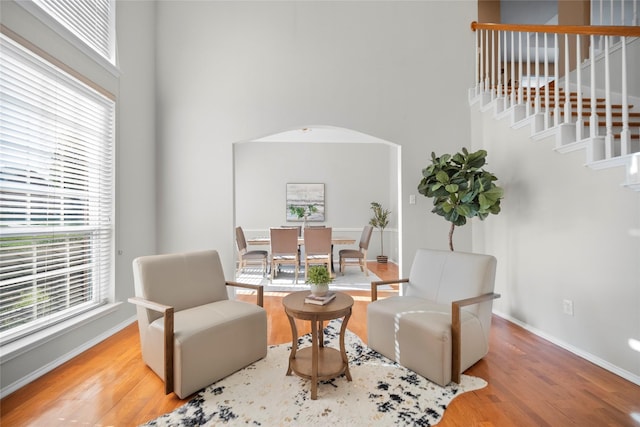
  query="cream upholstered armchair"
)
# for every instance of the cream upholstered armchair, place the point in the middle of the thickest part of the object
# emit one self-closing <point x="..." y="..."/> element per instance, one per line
<point x="191" y="333"/>
<point x="439" y="325"/>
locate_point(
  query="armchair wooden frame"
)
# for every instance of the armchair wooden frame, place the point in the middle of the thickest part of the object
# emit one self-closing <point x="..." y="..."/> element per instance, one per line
<point x="167" y="313"/>
<point x="456" y="333"/>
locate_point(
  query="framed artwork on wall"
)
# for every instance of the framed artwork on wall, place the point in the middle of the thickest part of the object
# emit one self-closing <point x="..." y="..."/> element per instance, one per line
<point x="305" y="202"/>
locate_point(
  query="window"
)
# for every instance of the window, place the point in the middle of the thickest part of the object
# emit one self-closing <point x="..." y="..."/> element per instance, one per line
<point x="92" y="22"/>
<point x="56" y="194"/>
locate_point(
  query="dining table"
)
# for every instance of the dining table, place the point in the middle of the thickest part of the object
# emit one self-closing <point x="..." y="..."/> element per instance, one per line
<point x="335" y="240"/>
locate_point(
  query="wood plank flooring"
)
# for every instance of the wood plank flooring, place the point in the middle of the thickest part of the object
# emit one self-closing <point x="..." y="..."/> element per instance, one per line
<point x="531" y="382"/>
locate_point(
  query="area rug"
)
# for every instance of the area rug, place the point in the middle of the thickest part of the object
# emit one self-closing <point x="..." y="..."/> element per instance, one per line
<point x="381" y="393"/>
<point x="353" y="279"/>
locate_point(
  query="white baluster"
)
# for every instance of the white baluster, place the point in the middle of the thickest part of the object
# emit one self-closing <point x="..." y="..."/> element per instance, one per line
<point x="477" y="88"/>
<point x="493" y="64"/>
<point x="497" y="64"/>
<point x="556" y="85"/>
<point x="567" y="82"/>
<point x="528" y="76"/>
<point x="520" y="100"/>
<point x="481" y="69"/>
<point x="595" y="149"/>
<point x="635" y="13"/>
<point x="625" y="135"/>
<point x="505" y="67"/>
<point x="513" y="70"/>
<point x="608" y="139"/>
<point x="547" y="105"/>
<point x="566" y="132"/>
<point x="593" y="119"/>
<point x="537" y="72"/>
<point x="579" y="119"/>
<point x="486" y="62"/>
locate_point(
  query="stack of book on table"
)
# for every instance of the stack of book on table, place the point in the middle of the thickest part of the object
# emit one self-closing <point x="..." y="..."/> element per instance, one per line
<point x="312" y="299"/>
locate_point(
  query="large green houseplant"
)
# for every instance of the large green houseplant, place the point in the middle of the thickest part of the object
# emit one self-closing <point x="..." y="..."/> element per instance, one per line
<point x="380" y="220"/>
<point x="460" y="188"/>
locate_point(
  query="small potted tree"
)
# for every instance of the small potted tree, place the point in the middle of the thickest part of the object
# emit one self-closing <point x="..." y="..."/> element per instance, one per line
<point x="380" y="220"/>
<point x="318" y="278"/>
<point x="460" y="188"/>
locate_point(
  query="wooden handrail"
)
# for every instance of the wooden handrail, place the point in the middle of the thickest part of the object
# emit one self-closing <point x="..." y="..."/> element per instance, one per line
<point x="596" y="30"/>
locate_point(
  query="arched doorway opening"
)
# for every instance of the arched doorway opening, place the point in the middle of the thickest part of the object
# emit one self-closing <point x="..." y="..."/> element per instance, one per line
<point x="355" y="168"/>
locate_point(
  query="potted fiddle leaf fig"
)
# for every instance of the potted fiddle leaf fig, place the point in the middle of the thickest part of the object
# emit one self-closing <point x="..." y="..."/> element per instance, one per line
<point x="318" y="278"/>
<point x="460" y="188"/>
<point x="380" y="220"/>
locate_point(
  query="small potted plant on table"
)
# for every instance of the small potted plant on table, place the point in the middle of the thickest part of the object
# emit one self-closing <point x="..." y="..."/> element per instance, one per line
<point x="318" y="279"/>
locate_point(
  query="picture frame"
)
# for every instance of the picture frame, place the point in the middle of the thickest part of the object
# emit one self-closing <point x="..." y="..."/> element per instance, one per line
<point x="305" y="202"/>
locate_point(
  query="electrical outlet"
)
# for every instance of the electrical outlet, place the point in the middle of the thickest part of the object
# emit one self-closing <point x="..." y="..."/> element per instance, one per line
<point x="567" y="307"/>
<point x="412" y="199"/>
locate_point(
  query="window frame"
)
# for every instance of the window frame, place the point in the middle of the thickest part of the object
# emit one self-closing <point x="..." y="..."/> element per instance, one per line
<point x="13" y="340"/>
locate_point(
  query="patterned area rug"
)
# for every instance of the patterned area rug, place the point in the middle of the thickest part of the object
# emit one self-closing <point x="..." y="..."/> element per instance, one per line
<point x="381" y="393"/>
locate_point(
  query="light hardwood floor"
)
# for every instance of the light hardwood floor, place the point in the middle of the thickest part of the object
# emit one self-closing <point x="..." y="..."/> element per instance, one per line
<point x="531" y="382"/>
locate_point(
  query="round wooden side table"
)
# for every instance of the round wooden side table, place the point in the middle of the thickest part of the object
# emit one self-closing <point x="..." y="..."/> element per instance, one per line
<point x="317" y="363"/>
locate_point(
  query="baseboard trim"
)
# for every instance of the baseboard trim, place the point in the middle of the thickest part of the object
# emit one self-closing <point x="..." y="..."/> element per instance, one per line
<point x="578" y="352"/>
<point x="64" y="358"/>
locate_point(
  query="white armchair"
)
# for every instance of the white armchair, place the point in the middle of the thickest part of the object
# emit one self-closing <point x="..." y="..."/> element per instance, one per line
<point x="439" y="325"/>
<point x="191" y="333"/>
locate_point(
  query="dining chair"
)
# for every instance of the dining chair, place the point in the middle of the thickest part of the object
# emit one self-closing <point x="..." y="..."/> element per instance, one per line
<point x="297" y="227"/>
<point x="246" y="257"/>
<point x="284" y="250"/>
<point x="357" y="256"/>
<point x="317" y="248"/>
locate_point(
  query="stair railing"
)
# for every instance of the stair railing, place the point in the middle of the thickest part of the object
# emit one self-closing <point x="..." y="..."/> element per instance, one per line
<point x="503" y="51"/>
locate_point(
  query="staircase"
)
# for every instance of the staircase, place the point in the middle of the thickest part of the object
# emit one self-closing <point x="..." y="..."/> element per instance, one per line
<point x="605" y="124"/>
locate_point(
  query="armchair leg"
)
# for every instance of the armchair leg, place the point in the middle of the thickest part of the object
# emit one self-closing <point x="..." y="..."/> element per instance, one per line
<point x="455" y="344"/>
<point x="168" y="351"/>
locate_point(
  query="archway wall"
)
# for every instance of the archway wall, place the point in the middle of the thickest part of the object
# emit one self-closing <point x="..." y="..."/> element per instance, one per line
<point x="234" y="71"/>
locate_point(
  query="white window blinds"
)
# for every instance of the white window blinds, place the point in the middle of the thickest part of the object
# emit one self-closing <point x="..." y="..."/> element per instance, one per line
<point x="92" y="21"/>
<point x="56" y="192"/>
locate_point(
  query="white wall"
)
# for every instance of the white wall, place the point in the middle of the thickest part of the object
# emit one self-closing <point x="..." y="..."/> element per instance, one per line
<point x="354" y="175"/>
<point x="234" y="71"/>
<point x="135" y="169"/>
<point x="565" y="232"/>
